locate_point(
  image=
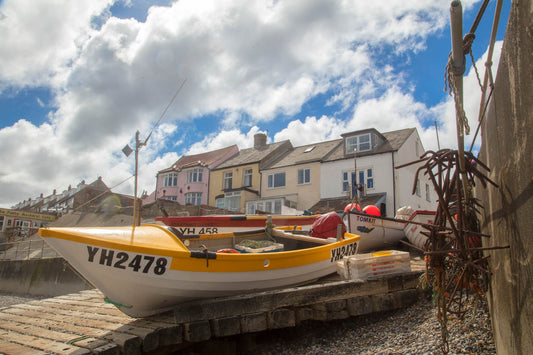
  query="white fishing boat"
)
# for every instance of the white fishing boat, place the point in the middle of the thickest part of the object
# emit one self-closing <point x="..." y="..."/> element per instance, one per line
<point x="413" y="231"/>
<point x="376" y="232"/>
<point x="148" y="269"/>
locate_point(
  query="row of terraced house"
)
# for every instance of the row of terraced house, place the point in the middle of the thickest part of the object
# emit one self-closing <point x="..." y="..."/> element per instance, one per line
<point x="279" y="178"/>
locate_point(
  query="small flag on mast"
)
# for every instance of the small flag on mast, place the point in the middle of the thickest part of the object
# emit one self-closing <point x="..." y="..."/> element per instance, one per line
<point x="127" y="150"/>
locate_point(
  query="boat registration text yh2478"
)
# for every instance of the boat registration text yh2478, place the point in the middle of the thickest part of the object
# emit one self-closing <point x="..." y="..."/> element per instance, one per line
<point x="127" y="261"/>
<point x="345" y="250"/>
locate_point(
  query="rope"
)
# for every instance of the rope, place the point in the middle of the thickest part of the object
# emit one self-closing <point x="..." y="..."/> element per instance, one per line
<point x="450" y="83"/>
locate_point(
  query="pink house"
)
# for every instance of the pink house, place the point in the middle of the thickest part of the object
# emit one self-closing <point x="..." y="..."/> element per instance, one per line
<point x="187" y="180"/>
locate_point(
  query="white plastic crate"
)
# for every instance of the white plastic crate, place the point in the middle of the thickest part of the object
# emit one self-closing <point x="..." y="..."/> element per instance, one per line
<point x="374" y="265"/>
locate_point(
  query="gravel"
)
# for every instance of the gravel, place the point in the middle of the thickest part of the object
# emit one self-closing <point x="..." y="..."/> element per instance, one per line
<point x="413" y="330"/>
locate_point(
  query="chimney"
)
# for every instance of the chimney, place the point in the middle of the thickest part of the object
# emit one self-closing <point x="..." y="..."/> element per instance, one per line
<point x="260" y="140"/>
<point x="54" y="191"/>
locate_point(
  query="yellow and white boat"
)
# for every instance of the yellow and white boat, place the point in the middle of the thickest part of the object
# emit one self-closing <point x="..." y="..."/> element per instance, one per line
<point x="148" y="269"/>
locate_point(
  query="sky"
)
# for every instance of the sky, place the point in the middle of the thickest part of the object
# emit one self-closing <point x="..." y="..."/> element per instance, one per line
<point x="79" y="78"/>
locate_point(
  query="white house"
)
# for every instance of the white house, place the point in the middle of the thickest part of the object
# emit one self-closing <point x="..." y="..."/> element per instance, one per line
<point x="377" y="156"/>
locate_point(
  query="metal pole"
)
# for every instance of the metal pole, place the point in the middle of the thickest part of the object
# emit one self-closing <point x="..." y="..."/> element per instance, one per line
<point x="437" y="132"/>
<point x="458" y="69"/>
<point x="354" y="187"/>
<point x="137" y="143"/>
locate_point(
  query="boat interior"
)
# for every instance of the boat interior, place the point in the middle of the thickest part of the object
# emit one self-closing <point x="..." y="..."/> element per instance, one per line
<point x="266" y="240"/>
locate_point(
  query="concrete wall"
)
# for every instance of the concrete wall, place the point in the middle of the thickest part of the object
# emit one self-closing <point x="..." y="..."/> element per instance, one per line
<point x="507" y="149"/>
<point x="40" y="277"/>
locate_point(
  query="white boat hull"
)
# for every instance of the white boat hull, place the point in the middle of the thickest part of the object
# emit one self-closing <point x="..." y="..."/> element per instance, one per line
<point x="376" y="232"/>
<point x="142" y="281"/>
<point x="413" y="232"/>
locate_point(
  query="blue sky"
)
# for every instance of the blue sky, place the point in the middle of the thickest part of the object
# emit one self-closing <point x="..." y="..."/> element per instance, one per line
<point x="78" y="78"/>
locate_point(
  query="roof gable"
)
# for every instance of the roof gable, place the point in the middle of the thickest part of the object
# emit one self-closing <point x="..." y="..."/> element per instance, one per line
<point x="210" y="159"/>
<point x="307" y="153"/>
<point x="263" y="155"/>
<point x="389" y="142"/>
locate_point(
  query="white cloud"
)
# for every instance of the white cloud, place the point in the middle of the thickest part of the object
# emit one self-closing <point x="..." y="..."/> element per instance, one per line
<point x="246" y="62"/>
<point x="39" y="38"/>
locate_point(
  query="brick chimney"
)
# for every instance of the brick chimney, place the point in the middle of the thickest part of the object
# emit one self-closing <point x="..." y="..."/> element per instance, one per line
<point x="260" y="140"/>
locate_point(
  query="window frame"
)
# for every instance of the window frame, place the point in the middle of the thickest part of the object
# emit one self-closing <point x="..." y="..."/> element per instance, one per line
<point x="195" y="175"/>
<point x="304" y="176"/>
<point x="193" y="198"/>
<point x="271" y="180"/>
<point x="349" y="143"/>
<point x="227" y="181"/>
<point x="170" y="180"/>
<point x="247" y="175"/>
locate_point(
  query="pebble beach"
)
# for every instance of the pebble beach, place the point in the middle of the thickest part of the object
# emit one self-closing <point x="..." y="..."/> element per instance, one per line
<point x="413" y="330"/>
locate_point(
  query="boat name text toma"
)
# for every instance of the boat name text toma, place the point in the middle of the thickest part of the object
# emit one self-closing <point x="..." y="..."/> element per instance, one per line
<point x="137" y="262"/>
<point x="345" y="250"/>
<point x="366" y="219"/>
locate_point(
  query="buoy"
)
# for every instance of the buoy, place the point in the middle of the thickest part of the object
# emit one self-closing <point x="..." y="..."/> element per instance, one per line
<point x="372" y="210"/>
<point x="352" y="206"/>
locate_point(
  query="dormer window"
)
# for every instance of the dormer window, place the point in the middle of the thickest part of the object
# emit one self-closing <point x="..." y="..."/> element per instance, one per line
<point x="361" y="143"/>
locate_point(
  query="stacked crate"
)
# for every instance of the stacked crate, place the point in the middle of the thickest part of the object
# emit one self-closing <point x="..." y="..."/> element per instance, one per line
<point x="374" y="265"/>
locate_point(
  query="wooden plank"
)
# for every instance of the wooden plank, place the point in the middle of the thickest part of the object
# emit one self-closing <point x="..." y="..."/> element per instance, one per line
<point x="40" y="332"/>
<point x="111" y="313"/>
<point x="47" y="345"/>
<point x="17" y="349"/>
<point x="149" y="337"/>
<point x="128" y="342"/>
<point x="51" y="322"/>
<point x="94" y="339"/>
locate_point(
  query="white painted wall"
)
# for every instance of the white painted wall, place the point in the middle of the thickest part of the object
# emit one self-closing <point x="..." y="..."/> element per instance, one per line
<point x="332" y="177"/>
<point x="406" y="177"/>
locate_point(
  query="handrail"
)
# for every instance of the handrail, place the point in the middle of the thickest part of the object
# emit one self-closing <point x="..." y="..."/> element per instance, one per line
<point x="26" y="249"/>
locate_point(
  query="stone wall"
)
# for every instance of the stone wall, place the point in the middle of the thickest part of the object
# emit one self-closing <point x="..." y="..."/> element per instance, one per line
<point x="507" y="149"/>
<point x="40" y="277"/>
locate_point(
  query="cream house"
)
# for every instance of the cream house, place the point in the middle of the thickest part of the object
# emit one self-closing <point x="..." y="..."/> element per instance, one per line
<point x="292" y="184"/>
<point x="238" y="179"/>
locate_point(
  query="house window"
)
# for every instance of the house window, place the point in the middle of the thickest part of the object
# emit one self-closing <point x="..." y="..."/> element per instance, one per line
<point x="276" y="180"/>
<point x="194" y="175"/>
<point x="228" y="177"/>
<point x="361" y="143"/>
<point x="171" y="198"/>
<point x="170" y="180"/>
<point x="270" y="206"/>
<point x="233" y="200"/>
<point x="365" y="177"/>
<point x="347" y="180"/>
<point x="277" y="206"/>
<point x="193" y="198"/>
<point x="369" y="179"/>
<point x="304" y="176"/>
<point x="427" y="193"/>
<point x="417" y="189"/>
<point x="247" y="177"/>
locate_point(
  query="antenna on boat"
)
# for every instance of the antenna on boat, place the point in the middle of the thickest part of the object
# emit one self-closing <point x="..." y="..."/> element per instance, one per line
<point x="138" y="145"/>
